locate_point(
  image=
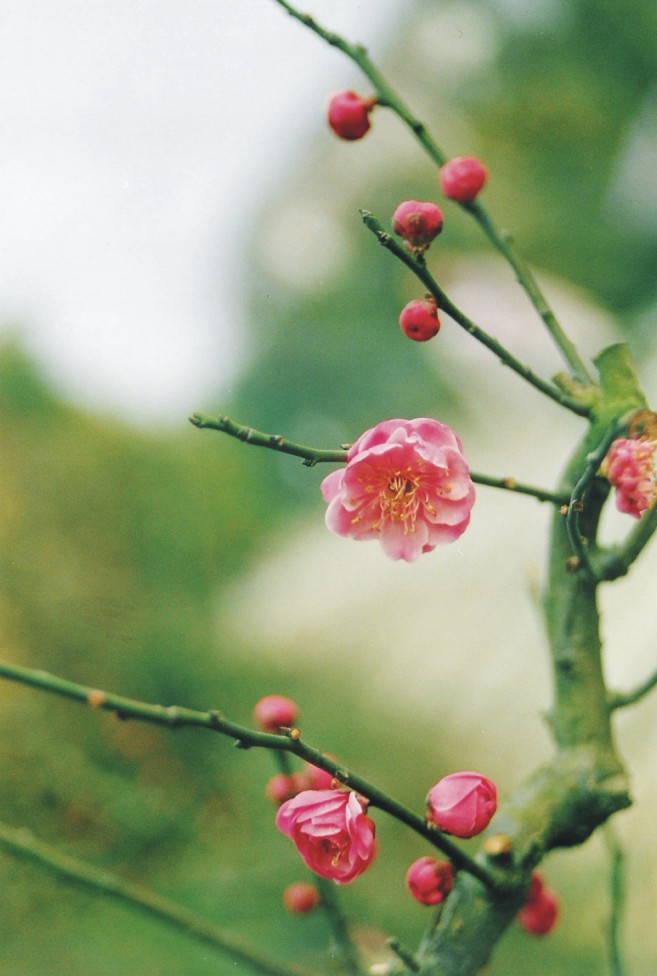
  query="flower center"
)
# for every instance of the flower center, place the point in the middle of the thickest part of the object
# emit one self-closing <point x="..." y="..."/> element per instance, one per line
<point x="399" y="500"/>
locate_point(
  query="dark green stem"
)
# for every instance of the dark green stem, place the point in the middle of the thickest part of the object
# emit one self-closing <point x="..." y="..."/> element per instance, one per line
<point x="420" y="270"/>
<point x="314" y="455"/>
<point x="406" y="956"/>
<point x="344" y="946"/>
<point x="175" y="716"/>
<point x="501" y="240"/>
<point x="21" y="842"/>
<point x="616" y="561"/>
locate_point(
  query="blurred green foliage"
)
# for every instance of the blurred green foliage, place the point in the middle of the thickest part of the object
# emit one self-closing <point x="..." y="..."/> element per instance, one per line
<point x="116" y="544"/>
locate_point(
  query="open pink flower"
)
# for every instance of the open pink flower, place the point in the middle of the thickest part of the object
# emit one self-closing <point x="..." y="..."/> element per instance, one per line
<point x="462" y="804"/>
<point x="331" y="832"/>
<point x="406" y="483"/>
<point x="631" y="467"/>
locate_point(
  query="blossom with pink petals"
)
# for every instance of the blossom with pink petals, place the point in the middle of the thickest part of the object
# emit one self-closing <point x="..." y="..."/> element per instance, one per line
<point x="631" y="467"/>
<point x="462" y="804"/>
<point x="406" y="484"/>
<point x="331" y="831"/>
<point x="417" y="222"/>
<point x="463" y="177"/>
<point x="430" y="880"/>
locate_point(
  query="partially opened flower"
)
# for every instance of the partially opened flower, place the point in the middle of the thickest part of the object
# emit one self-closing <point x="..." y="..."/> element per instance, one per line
<point x="406" y="484"/>
<point x="462" y="804"/>
<point x="631" y="467"/>
<point x="331" y="831"/>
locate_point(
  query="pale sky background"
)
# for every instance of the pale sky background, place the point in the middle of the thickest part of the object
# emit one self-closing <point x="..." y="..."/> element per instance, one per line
<point x="138" y="139"/>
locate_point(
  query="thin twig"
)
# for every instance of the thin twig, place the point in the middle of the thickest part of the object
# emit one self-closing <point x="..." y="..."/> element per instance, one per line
<point x="623" y="699"/>
<point x="314" y="455"/>
<point x="22" y="842"/>
<point x="420" y="270"/>
<point x="176" y="716"/>
<point x="339" y="928"/>
<point x="618" y="559"/>
<point x="617" y="888"/>
<point x="501" y="240"/>
<point x="578" y="498"/>
<point x="404" y="954"/>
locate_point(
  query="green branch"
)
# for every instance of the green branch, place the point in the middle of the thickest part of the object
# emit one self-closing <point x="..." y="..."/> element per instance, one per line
<point x="501" y="240"/>
<point x="617" y="885"/>
<point x="21" y="842"/>
<point x="578" y="500"/>
<point x="420" y="270"/>
<point x="176" y="716"/>
<point x="623" y="699"/>
<point x="275" y="442"/>
<point x="616" y="561"/>
<point x="314" y="455"/>
<point x="339" y="928"/>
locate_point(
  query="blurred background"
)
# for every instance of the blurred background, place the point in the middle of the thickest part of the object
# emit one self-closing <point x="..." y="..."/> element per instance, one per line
<point x="180" y="232"/>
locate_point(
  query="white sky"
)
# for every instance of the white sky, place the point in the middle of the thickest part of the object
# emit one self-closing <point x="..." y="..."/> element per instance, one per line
<point x="131" y="133"/>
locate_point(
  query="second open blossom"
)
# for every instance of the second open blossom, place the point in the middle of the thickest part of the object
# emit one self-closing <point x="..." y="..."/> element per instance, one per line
<point x="406" y="484"/>
<point x="331" y="831"/>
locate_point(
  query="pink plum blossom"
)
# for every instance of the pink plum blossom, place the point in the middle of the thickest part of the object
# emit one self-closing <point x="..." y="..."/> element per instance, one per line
<point x="430" y="880"/>
<point x="331" y="831"/>
<point x="462" y="804"/>
<point x="462" y="178"/>
<point x="417" y="222"/>
<point x="406" y="484"/>
<point x="630" y="467"/>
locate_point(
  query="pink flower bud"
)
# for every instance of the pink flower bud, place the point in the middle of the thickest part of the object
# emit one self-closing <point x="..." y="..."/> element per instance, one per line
<point x="281" y="788"/>
<point x="462" y="178"/>
<point x="274" y="712"/>
<point x="541" y="910"/>
<point x="301" y="897"/>
<point x="631" y="467"/>
<point x="406" y="483"/>
<point x="419" y="319"/>
<point x="462" y="804"/>
<point x="315" y="778"/>
<point x="331" y="831"/>
<point x="349" y="114"/>
<point x="429" y="880"/>
<point x="418" y="223"/>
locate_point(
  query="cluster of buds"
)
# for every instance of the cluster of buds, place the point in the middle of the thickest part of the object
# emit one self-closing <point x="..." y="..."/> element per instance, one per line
<point x="417" y="222"/>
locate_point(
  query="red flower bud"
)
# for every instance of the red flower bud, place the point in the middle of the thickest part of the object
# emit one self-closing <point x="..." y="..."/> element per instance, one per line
<point x="541" y="910"/>
<point x="462" y="804"/>
<point x="462" y="178"/>
<point x="349" y="114"/>
<point x="429" y="880"/>
<point x="301" y="897"/>
<point x="418" y="223"/>
<point x="419" y="319"/>
<point x="274" y="712"/>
